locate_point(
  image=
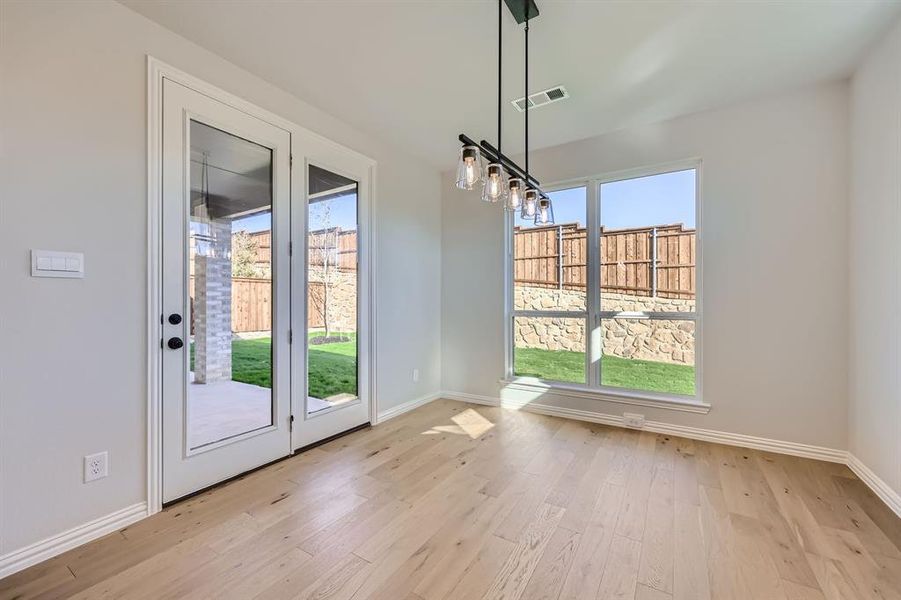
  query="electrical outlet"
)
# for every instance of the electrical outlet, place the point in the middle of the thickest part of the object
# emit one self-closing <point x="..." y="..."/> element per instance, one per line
<point x="415" y="375"/>
<point x="633" y="420"/>
<point x="96" y="466"/>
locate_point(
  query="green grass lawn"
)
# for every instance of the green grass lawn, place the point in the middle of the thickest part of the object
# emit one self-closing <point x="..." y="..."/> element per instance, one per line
<point x="563" y="365"/>
<point x="333" y="367"/>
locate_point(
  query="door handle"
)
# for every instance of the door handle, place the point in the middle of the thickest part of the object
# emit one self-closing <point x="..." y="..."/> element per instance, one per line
<point x="174" y="319"/>
<point x="175" y="343"/>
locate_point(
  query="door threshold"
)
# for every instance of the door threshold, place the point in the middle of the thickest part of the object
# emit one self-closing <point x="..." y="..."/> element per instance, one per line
<point x="225" y="482"/>
<point x="333" y="437"/>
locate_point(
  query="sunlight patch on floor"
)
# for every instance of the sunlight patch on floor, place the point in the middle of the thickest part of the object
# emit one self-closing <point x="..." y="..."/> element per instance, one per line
<point x="469" y="422"/>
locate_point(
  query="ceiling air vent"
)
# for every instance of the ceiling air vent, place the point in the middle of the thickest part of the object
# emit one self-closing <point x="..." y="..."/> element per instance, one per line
<point x="548" y="96"/>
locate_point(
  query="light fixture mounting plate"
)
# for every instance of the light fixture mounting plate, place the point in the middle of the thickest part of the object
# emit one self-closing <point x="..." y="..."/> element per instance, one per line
<point x="522" y="9"/>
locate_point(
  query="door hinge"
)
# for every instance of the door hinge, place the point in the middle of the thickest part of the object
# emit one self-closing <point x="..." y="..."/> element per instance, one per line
<point x="290" y="336"/>
<point x="291" y="423"/>
<point x="290" y="248"/>
<point x="291" y="160"/>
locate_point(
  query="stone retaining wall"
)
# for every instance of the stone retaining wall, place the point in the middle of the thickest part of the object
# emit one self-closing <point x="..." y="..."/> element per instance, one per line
<point x="661" y="341"/>
<point x="342" y="300"/>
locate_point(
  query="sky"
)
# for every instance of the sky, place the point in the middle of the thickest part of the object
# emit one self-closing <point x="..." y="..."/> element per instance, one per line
<point x="641" y="202"/>
<point x="342" y="213"/>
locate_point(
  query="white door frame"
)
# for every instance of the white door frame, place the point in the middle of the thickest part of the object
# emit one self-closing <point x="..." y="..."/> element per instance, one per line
<point x="311" y="428"/>
<point x="156" y="72"/>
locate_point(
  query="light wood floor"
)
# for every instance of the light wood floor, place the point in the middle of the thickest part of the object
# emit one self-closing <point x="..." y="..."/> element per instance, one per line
<point x="458" y="501"/>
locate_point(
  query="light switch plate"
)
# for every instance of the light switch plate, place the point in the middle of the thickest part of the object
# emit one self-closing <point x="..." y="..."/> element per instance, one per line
<point x="49" y="263"/>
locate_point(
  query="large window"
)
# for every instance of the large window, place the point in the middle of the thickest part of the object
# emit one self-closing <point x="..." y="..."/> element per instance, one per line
<point x="610" y="306"/>
<point x="550" y="292"/>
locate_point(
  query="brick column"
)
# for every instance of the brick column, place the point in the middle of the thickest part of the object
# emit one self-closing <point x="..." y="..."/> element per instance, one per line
<point x="213" y="308"/>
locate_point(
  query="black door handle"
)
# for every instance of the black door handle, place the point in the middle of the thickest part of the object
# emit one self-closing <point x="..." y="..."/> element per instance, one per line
<point x="175" y="343"/>
<point x="174" y="319"/>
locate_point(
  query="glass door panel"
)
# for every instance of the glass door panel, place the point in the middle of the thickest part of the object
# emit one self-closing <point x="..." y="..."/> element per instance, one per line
<point x="230" y="287"/>
<point x="226" y="402"/>
<point x="332" y="291"/>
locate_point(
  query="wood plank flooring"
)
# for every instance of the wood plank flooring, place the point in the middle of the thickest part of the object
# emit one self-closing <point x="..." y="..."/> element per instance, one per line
<point x="457" y="501"/>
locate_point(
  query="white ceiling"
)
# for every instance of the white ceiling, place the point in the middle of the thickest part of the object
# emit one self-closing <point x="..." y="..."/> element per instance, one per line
<point x="417" y="73"/>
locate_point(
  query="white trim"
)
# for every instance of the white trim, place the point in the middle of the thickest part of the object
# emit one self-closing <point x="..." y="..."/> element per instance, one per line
<point x="52" y="546"/>
<point x="883" y="490"/>
<point x="156" y="71"/>
<point x="472" y="398"/>
<point x="82" y="534"/>
<point x="154" y="285"/>
<point x="694" y="433"/>
<point x="594" y="314"/>
<point x="406" y="407"/>
<point x="607" y="394"/>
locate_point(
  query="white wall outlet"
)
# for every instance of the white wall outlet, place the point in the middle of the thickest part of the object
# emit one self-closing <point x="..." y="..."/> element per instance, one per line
<point x="415" y="375"/>
<point x="96" y="466"/>
<point x="633" y="420"/>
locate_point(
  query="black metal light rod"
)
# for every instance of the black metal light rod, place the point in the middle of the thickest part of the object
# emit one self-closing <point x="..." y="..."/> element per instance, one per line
<point x="491" y="154"/>
<point x="508" y="161"/>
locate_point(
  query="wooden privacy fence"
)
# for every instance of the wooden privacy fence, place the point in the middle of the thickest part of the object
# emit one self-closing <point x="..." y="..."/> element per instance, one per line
<point x="339" y="245"/>
<point x="654" y="261"/>
<point x="252" y="305"/>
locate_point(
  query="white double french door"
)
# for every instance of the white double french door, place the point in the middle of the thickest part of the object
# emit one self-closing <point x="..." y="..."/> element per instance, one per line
<point x="262" y="291"/>
<point x="330" y="291"/>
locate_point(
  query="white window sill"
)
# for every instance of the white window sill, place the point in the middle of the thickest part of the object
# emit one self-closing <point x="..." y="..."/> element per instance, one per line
<point x="633" y="397"/>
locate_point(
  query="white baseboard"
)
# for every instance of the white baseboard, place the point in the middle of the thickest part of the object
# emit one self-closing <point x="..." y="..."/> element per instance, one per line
<point x="885" y="493"/>
<point x="695" y="433"/>
<point x="57" y="544"/>
<point x="406" y="407"/>
<point x="891" y="498"/>
<point x="52" y="546"/>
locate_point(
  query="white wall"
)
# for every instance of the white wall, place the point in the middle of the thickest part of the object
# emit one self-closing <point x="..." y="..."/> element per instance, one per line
<point x="775" y="189"/>
<point x="73" y="352"/>
<point x="875" y="273"/>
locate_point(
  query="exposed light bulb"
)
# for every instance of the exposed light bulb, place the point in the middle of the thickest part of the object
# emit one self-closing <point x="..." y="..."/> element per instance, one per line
<point x="470" y="172"/>
<point x="514" y="199"/>
<point x="495" y="184"/>
<point x="469" y="168"/>
<point x="529" y="204"/>
<point x="545" y="213"/>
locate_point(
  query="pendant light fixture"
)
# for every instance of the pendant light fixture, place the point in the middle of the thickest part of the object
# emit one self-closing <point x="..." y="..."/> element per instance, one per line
<point x="545" y="213"/>
<point x="469" y="168"/>
<point x="503" y="180"/>
<point x="495" y="187"/>
<point x="516" y="189"/>
<point x="529" y="204"/>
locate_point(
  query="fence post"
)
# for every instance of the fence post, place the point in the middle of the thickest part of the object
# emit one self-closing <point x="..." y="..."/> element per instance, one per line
<point x="559" y="257"/>
<point x="654" y="262"/>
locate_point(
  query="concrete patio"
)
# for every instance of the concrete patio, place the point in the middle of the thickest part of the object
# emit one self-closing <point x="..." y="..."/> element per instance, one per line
<point x="224" y="409"/>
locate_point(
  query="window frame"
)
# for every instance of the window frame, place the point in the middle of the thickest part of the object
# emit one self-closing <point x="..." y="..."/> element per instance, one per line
<point x="593" y="315"/>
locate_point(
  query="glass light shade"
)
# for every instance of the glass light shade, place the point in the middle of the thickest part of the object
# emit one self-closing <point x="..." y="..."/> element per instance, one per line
<point x="469" y="168"/>
<point x="529" y="204"/>
<point x="545" y="213"/>
<point x="495" y="184"/>
<point x="516" y="189"/>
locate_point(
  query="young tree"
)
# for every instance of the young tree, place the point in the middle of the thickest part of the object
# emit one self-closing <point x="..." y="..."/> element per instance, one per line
<point x="245" y="253"/>
<point x="323" y="262"/>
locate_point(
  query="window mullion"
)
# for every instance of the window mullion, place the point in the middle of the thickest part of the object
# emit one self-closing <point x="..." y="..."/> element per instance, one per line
<point x="508" y="294"/>
<point x="593" y="282"/>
